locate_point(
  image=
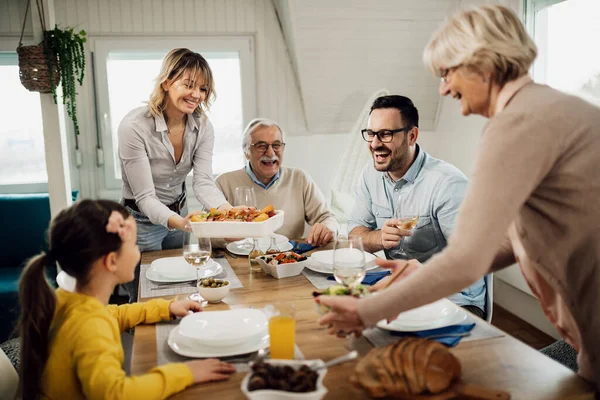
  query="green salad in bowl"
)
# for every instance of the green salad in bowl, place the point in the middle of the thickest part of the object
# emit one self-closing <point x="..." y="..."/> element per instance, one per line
<point x="357" y="291"/>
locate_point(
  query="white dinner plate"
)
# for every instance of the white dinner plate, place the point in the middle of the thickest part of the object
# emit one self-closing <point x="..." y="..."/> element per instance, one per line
<point x="431" y="316"/>
<point x="283" y="244"/>
<point x="190" y="348"/>
<point x="66" y="281"/>
<point x="322" y="261"/>
<point x="327" y="269"/>
<point x="223" y="328"/>
<point x="176" y="269"/>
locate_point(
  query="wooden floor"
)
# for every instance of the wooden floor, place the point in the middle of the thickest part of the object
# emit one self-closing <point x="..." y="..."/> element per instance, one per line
<point x="520" y="329"/>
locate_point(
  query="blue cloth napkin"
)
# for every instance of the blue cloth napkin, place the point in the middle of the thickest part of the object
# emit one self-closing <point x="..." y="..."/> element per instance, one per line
<point x="449" y="341"/>
<point x="370" y="279"/>
<point x="300" y="248"/>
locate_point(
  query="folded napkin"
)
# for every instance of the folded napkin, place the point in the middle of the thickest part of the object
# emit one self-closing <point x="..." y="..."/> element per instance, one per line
<point x="300" y="248"/>
<point x="449" y="341"/>
<point x="370" y="279"/>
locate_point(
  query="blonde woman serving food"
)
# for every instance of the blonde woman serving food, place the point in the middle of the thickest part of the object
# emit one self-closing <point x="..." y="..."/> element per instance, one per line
<point x="159" y="144"/>
<point x="533" y="198"/>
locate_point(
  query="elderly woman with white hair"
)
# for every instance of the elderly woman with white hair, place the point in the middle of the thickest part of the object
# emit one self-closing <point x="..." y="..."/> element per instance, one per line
<point x="289" y="189"/>
<point x="533" y="196"/>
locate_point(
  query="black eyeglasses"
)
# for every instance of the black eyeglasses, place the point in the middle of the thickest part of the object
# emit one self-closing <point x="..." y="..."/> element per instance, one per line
<point x="384" y="135"/>
<point x="263" y="147"/>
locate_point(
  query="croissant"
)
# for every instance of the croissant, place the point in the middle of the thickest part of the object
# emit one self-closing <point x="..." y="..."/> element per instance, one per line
<point x="408" y="367"/>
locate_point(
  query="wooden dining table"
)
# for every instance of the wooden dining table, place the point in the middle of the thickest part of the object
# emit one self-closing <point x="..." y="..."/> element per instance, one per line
<point x="502" y="363"/>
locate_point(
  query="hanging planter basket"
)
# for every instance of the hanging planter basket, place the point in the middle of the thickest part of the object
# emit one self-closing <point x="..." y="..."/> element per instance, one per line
<point x="34" y="71"/>
<point x="59" y="57"/>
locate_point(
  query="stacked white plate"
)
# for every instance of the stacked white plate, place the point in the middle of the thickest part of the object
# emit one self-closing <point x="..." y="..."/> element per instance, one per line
<point x="435" y="315"/>
<point x="176" y="269"/>
<point x="322" y="261"/>
<point x="220" y="333"/>
<point x="264" y="242"/>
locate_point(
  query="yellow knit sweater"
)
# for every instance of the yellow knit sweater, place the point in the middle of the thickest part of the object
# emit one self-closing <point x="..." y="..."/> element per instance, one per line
<point x="86" y="357"/>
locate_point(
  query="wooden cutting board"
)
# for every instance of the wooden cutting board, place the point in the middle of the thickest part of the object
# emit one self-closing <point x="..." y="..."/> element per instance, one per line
<point x="466" y="391"/>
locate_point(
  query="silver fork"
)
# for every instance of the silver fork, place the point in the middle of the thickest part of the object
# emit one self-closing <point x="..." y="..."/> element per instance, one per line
<point x="463" y="334"/>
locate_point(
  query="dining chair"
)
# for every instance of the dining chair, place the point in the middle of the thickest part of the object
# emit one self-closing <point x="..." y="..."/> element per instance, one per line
<point x="9" y="379"/>
<point x="489" y="296"/>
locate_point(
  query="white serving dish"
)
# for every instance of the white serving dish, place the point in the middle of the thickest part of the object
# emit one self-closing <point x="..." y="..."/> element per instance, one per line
<point x="66" y="281"/>
<point x="283" y="243"/>
<point x="435" y="315"/>
<point x="223" y="328"/>
<point x="234" y="229"/>
<point x="280" y="394"/>
<point x="281" y="270"/>
<point x="191" y="348"/>
<point x="213" y="295"/>
<point x="176" y="269"/>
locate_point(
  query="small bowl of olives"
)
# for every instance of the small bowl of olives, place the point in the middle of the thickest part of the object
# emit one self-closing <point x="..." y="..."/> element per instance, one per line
<point x="213" y="290"/>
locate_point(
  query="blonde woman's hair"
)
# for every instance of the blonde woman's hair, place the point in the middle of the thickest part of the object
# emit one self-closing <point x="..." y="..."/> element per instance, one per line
<point x="489" y="38"/>
<point x="175" y="64"/>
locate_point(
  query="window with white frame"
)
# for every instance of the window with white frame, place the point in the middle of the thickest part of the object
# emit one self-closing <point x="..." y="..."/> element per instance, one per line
<point x="565" y="32"/>
<point x="22" y="160"/>
<point x="125" y="74"/>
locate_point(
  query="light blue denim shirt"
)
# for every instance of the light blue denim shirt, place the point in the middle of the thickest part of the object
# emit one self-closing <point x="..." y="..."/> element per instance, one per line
<point x="257" y="181"/>
<point x="436" y="188"/>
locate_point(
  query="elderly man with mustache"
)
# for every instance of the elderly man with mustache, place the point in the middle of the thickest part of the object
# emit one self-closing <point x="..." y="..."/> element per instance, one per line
<point x="404" y="176"/>
<point x="288" y="189"/>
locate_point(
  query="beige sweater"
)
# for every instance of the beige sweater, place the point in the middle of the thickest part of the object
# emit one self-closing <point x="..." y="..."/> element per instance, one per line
<point x="294" y="192"/>
<point x="537" y="170"/>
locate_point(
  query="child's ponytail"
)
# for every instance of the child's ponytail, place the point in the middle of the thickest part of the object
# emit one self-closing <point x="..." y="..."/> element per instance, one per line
<point x="38" y="302"/>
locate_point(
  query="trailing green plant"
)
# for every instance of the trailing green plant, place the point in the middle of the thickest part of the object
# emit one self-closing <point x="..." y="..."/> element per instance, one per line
<point x="67" y="45"/>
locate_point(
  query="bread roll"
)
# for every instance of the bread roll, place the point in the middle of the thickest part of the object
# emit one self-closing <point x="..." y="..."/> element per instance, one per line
<point x="411" y="366"/>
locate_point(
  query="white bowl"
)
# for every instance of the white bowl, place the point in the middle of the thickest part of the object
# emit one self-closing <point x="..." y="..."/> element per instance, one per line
<point x="235" y="229"/>
<point x="281" y="270"/>
<point x="224" y="328"/>
<point x="280" y="394"/>
<point x="214" y="295"/>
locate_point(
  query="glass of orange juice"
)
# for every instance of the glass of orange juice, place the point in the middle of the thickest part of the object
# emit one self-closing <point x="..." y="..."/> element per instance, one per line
<point x="282" y="331"/>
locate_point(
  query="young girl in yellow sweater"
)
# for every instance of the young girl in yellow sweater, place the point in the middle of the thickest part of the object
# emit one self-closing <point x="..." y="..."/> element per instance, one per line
<point x="70" y="342"/>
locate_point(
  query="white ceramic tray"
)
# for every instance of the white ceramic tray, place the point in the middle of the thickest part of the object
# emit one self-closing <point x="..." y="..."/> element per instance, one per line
<point x="234" y="229"/>
<point x="282" y="270"/>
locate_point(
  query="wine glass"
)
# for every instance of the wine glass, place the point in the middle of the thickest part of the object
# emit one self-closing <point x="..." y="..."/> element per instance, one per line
<point x="245" y="196"/>
<point x="349" y="260"/>
<point x="406" y="212"/>
<point x="196" y="251"/>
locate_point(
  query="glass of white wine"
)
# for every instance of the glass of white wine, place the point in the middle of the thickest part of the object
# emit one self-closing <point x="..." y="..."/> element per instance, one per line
<point x="196" y="251"/>
<point x="349" y="260"/>
<point x="406" y="212"/>
<point x="245" y="196"/>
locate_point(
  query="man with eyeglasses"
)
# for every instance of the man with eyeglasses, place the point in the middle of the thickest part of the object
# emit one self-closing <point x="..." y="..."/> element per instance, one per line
<point x="404" y="178"/>
<point x="289" y="189"/>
